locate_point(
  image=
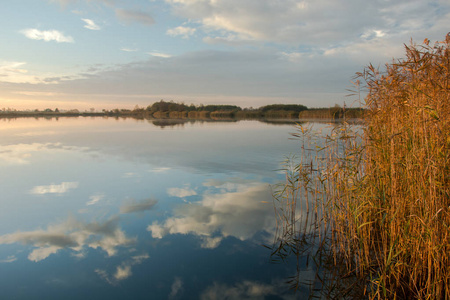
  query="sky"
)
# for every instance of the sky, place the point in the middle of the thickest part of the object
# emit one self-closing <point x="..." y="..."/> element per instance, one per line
<point x="105" y="54"/>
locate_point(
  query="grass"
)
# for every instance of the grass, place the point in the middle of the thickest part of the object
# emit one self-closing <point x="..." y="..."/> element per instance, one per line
<point x="372" y="204"/>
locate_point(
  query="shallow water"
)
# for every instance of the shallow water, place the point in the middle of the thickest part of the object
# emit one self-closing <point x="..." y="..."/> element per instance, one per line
<point x="94" y="208"/>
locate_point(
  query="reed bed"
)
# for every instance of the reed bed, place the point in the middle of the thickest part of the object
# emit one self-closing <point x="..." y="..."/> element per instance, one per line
<point x="371" y="205"/>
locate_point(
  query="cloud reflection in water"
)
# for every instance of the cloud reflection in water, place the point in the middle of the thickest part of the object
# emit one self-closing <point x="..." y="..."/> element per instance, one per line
<point x="242" y="214"/>
<point x="71" y="234"/>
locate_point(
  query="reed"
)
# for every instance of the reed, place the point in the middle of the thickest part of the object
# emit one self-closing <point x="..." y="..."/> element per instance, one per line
<point x="378" y="197"/>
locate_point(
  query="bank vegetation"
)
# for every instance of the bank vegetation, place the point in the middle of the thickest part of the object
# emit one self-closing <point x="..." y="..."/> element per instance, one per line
<point x="172" y="110"/>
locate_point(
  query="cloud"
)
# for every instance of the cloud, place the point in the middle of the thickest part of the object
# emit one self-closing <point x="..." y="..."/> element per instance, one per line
<point x="50" y="35"/>
<point x="13" y="72"/>
<point x="159" y="54"/>
<point x="181" y="192"/>
<point x="123" y="271"/>
<point x="226" y="214"/>
<point x="160" y="170"/>
<point x="185" y="32"/>
<point x="11" y="67"/>
<point x="9" y="259"/>
<point x="313" y="26"/>
<point x="244" y="290"/>
<point x="72" y="234"/>
<point x="91" y="24"/>
<point x="132" y="16"/>
<point x="129" y="175"/>
<point x="54" y="188"/>
<point x="138" y="259"/>
<point x="176" y="288"/>
<point x="230" y="184"/>
<point x="65" y="3"/>
<point x="129" y="50"/>
<point x="21" y="154"/>
<point x="142" y="206"/>
<point x="95" y="199"/>
<point x="214" y="75"/>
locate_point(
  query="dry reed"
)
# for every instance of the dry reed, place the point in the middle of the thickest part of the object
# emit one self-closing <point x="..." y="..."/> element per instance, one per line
<point x="375" y="202"/>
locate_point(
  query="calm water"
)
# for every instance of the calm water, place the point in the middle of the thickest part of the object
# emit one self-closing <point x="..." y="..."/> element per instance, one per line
<point x="125" y="209"/>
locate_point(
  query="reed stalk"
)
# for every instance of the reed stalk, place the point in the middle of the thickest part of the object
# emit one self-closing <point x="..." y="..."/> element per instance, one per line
<point x="373" y="203"/>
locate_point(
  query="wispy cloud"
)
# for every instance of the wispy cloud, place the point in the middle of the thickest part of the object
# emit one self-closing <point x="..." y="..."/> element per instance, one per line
<point x="19" y="154"/>
<point x="132" y="16"/>
<point x="176" y="288"/>
<point x="132" y="206"/>
<point x="14" y="72"/>
<point x="95" y="199"/>
<point x="243" y="290"/>
<point x="159" y="54"/>
<point x="129" y="50"/>
<point x="160" y="170"/>
<point x="11" y="67"/>
<point x="185" y="32"/>
<point x="49" y="35"/>
<point x="9" y="259"/>
<point x="129" y="175"/>
<point x="91" y="24"/>
<point x="54" y="188"/>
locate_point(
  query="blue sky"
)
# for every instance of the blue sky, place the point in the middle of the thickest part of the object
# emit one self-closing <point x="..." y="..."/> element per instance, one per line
<point x="121" y="53"/>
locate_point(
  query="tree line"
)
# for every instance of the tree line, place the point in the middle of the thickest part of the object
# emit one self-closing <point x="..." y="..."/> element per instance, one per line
<point x="171" y="109"/>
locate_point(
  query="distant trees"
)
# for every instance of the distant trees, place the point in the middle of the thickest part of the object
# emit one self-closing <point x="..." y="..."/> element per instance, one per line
<point x="286" y="107"/>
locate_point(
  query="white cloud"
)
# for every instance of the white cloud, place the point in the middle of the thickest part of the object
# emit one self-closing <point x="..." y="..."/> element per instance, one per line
<point x="72" y="234"/>
<point x="181" y="192"/>
<point x="49" y="35"/>
<point x="54" y="188"/>
<point x="160" y="170"/>
<point x="228" y="213"/>
<point x="159" y="54"/>
<point x="42" y="253"/>
<point x="123" y="271"/>
<point x="13" y="72"/>
<point x="129" y="50"/>
<point x="138" y="259"/>
<point x="12" y="67"/>
<point x="185" y="32"/>
<point x="131" y="16"/>
<point x="91" y="24"/>
<point x="95" y="199"/>
<point x="9" y="259"/>
<point x="142" y="206"/>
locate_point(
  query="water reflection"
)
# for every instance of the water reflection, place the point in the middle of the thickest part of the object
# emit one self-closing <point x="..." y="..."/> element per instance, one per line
<point x="129" y="210"/>
<point x="240" y="211"/>
<point x="71" y="234"/>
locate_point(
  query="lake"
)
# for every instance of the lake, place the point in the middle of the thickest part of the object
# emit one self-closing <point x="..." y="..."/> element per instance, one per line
<point x="104" y="208"/>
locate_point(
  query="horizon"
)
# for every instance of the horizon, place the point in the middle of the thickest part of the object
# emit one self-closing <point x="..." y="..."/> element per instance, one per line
<point x="106" y="54"/>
